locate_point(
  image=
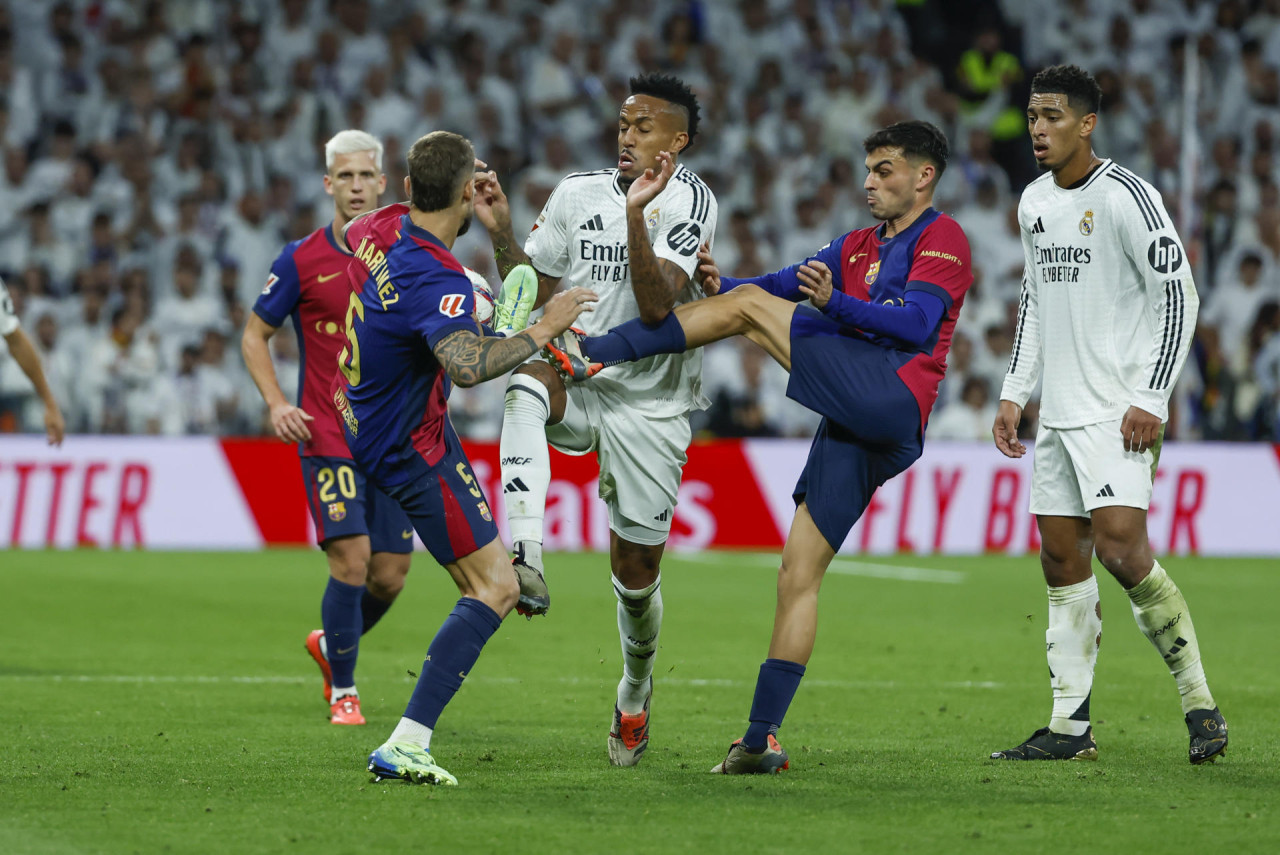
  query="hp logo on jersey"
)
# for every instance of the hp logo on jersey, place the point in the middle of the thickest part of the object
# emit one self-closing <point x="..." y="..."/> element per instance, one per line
<point x="1165" y="255"/>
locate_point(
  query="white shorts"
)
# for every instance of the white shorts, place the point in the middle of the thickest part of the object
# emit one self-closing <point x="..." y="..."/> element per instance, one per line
<point x="641" y="461"/>
<point x="1079" y="469"/>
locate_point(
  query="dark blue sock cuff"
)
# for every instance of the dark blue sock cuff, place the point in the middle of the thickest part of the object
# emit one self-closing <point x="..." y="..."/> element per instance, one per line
<point x="478" y="616"/>
<point x="343" y="589"/>
<point x="784" y="665"/>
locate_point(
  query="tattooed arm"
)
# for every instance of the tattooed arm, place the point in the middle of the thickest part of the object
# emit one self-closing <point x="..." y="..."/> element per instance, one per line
<point x="470" y="358"/>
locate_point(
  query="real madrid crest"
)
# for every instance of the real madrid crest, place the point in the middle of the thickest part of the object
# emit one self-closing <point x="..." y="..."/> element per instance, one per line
<point x="872" y="271"/>
<point x="652" y="218"/>
<point x="1086" y="223"/>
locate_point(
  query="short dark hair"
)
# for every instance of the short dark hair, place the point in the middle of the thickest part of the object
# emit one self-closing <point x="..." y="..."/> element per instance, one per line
<point x="439" y="164"/>
<point x="673" y="90"/>
<point x="1084" y="95"/>
<point x="918" y="141"/>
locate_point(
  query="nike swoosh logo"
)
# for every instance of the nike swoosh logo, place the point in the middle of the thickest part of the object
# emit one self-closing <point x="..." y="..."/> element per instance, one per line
<point x="853" y="259"/>
<point x="406" y="534"/>
<point x="330" y="276"/>
<point x="342" y="652"/>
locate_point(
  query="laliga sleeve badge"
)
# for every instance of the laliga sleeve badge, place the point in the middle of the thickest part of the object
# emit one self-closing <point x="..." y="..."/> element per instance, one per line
<point x="1086" y="223"/>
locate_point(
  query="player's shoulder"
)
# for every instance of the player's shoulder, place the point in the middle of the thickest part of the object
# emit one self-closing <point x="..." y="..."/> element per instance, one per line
<point x="1037" y="189"/>
<point x="944" y="238"/>
<point x="589" y="182"/>
<point x="381" y="227"/>
<point x="1132" y="194"/>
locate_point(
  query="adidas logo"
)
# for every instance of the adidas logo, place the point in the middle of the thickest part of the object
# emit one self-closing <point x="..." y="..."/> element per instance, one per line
<point x="1106" y="491"/>
<point x="664" y="516"/>
<point x="1038" y="228"/>
<point x="515" y="485"/>
<point x="1177" y="647"/>
<point x="595" y="224"/>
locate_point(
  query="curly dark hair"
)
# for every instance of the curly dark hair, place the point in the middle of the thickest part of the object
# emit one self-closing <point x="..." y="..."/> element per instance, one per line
<point x="918" y="141"/>
<point x="672" y="90"/>
<point x="1084" y="95"/>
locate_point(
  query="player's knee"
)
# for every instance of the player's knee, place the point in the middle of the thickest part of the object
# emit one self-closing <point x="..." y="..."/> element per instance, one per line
<point x="538" y="381"/>
<point x="385" y="586"/>
<point x="796" y="580"/>
<point x="1127" y="559"/>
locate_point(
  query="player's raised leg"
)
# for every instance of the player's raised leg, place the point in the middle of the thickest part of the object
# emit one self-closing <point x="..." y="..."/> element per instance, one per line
<point x="1162" y="614"/>
<point x="488" y="592"/>
<point x="746" y="310"/>
<point x="805" y="559"/>
<point x="535" y="399"/>
<point x="1071" y="641"/>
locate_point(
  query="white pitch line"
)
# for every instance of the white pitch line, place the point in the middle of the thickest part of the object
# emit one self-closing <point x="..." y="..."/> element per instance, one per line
<point x="693" y="682"/>
<point x="840" y="566"/>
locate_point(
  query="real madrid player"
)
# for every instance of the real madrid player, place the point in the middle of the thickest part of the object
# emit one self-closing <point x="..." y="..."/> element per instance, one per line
<point x="867" y="356"/>
<point x="639" y="256"/>
<point x="365" y="536"/>
<point x="1106" y="318"/>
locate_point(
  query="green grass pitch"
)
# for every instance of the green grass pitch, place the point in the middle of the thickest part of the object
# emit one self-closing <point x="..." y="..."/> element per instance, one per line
<point x="154" y="702"/>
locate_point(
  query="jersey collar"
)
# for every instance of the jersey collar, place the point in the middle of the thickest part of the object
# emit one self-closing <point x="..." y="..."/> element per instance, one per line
<point x="407" y="227"/>
<point x="927" y="216"/>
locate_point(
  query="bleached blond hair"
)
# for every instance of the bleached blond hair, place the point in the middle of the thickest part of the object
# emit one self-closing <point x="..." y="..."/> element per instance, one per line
<point x="351" y="141"/>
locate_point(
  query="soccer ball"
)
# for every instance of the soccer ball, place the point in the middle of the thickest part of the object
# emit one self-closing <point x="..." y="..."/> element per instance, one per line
<point x="484" y="296"/>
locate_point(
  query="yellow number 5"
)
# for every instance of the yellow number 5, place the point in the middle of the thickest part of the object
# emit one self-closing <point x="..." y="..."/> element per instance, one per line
<point x="349" y="359"/>
<point x="469" y="480"/>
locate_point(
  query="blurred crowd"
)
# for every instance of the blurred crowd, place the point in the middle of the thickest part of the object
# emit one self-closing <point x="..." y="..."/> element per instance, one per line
<point x="157" y="156"/>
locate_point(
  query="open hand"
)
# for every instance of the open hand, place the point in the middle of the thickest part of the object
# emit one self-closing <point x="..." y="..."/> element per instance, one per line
<point x="647" y="187"/>
<point x="815" y="282"/>
<point x="563" y="309"/>
<point x="493" y="209"/>
<point x="290" y="423"/>
<point x="708" y="273"/>
<point x="1005" y="430"/>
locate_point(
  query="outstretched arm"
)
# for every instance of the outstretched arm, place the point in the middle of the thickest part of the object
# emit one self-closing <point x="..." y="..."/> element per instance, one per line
<point x="470" y="358"/>
<point x="28" y="360"/>
<point x="289" y="422"/>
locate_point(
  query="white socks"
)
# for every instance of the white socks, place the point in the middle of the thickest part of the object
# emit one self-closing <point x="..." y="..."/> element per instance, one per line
<point x="1162" y="615"/>
<point x="412" y="732"/>
<point x="1071" y="646"/>
<point x="639" y="620"/>
<point x="526" y="460"/>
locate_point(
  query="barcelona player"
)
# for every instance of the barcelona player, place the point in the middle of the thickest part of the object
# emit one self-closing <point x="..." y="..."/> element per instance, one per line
<point x="366" y="538"/>
<point x="868" y="356"/>
<point x="410" y="335"/>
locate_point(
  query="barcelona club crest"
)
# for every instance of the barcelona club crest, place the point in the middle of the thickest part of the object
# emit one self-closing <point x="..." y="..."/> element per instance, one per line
<point x="337" y="511"/>
<point x="484" y="511"/>
<point x="872" y="272"/>
<point x="1086" y="223"/>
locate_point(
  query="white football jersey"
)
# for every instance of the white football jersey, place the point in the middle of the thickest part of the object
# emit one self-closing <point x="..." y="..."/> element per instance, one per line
<point x="581" y="237"/>
<point x="8" y="320"/>
<point x="1108" y="304"/>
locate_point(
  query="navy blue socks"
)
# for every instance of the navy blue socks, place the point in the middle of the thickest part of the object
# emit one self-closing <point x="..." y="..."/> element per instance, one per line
<point x="371" y="610"/>
<point x="775" y="687"/>
<point x="635" y="340"/>
<point x="450" y="657"/>
<point x="340" y="616"/>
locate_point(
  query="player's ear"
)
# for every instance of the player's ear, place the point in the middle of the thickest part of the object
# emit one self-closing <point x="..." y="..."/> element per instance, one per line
<point x="680" y="142"/>
<point x="408" y="188"/>
<point x="1088" y="123"/>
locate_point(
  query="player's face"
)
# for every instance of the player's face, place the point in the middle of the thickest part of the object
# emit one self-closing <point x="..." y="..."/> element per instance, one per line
<point x="355" y="183"/>
<point x="891" y="183"/>
<point x="1058" y="133"/>
<point x="646" y="126"/>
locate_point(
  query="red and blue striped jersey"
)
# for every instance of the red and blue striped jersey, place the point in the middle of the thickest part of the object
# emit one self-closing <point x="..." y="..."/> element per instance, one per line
<point x="407" y="292"/>
<point x="308" y="283"/>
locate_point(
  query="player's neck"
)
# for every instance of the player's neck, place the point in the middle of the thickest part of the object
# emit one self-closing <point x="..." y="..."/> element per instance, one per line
<point x="898" y="225"/>
<point x="335" y="230"/>
<point x="1076" y="168"/>
<point x="443" y="224"/>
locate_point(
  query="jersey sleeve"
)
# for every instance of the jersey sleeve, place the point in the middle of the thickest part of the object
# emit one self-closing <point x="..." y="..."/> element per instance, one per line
<point x="280" y="295"/>
<point x="686" y="224"/>
<point x="548" y="243"/>
<point x="1027" y="357"/>
<point x="8" y="318"/>
<point x="941" y="265"/>
<point x="447" y="305"/>
<point x="1148" y="239"/>
<point x="785" y="283"/>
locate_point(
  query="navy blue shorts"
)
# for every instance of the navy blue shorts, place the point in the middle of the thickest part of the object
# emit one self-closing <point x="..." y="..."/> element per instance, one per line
<point x="446" y="505"/>
<point x="343" y="504"/>
<point x="870" y="429"/>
